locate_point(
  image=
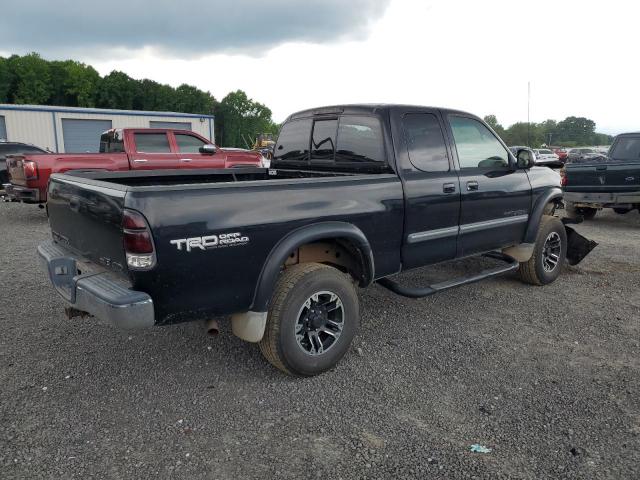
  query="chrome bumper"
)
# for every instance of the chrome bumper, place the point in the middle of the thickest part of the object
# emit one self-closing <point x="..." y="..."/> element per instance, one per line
<point x="22" y="194"/>
<point x="98" y="292"/>
<point x="603" y="199"/>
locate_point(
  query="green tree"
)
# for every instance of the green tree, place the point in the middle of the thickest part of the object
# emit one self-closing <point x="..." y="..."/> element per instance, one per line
<point x="31" y="79"/>
<point x="239" y="117"/>
<point x="193" y="100"/>
<point x="81" y="84"/>
<point x="492" y="121"/>
<point x="578" y="130"/>
<point x="117" y="90"/>
<point x="523" y="133"/>
<point x="5" y="80"/>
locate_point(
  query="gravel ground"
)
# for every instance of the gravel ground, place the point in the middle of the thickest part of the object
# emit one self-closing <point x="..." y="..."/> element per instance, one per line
<point x="547" y="377"/>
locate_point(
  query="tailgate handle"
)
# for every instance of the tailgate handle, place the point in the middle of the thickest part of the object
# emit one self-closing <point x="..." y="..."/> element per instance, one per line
<point x="601" y="168"/>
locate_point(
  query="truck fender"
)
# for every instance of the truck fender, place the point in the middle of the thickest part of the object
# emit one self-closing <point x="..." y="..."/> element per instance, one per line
<point x="302" y="236"/>
<point x="554" y="193"/>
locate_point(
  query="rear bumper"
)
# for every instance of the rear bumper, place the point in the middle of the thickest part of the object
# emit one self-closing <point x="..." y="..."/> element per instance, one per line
<point x="603" y="199"/>
<point x="22" y="194"/>
<point x="96" y="292"/>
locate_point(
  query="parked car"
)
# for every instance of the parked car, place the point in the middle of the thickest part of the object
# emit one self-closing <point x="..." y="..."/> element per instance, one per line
<point x="546" y="157"/>
<point x="356" y="194"/>
<point x="123" y="149"/>
<point x="14" y="148"/>
<point x="598" y="182"/>
<point x="562" y="154"/>
<point x="581" y="154"/>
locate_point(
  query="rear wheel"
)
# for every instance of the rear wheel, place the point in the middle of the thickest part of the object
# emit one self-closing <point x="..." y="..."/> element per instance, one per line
<point x="549" y="253"/>
<point x="313" y="318"/>
<point x="585" y="212"/>
<point x="622" y="211"/>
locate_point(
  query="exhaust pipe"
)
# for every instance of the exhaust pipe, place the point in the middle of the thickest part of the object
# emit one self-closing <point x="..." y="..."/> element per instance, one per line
<point x="212" y="327"/>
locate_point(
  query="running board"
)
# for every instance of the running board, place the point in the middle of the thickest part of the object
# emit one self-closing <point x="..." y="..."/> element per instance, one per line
<point x="416" y="292"/>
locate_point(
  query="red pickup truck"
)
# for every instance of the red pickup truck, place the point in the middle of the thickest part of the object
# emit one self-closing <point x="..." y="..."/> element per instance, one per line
<point x="123" y="149"/>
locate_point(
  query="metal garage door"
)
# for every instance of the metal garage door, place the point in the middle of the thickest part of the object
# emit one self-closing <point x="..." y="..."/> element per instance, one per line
<point x="83" y="135"/>
<point x="3" y="129"/>
<point x="176" y="125"/>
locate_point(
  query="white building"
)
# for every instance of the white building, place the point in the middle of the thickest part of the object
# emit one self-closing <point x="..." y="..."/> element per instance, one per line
<point x="69" y="129"/>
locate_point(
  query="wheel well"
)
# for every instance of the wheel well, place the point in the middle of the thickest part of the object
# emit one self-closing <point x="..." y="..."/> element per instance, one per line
<point x="340" y="253"/>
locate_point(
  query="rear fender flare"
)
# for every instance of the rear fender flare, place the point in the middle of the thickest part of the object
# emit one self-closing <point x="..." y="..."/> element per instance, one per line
<point x="550" y="195"/>
<point x="302" y="236"/>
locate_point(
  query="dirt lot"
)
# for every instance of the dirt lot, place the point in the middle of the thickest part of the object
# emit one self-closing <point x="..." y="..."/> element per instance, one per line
<point x="548" y="378"/>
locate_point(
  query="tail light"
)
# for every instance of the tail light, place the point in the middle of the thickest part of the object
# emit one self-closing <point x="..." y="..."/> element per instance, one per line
<point x="138" y="243"/>
<point x="563" y="177"/>
<point x="30" y="170"/>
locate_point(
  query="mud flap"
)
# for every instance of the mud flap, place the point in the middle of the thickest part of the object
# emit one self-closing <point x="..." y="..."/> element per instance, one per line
<point x="578" y="246"/>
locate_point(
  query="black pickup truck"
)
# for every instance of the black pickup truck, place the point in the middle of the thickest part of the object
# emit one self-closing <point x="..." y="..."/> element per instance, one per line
<point x="605" y="181"/>
<point x="356" y="194"/>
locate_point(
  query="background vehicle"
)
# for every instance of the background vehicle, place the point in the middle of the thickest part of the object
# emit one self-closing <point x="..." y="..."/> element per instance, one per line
<point x="582" y="154"/>
<point x="562" y="154"/>
<point x="605" y="182"/>
<point x="14" y="148"/>
<point x="546" y="157"/>
<point x="123" y="149"/>
<point x="357" y="193"/>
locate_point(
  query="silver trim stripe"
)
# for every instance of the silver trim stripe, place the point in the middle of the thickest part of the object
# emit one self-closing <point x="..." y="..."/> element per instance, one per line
<point x="468" y="228"/>
<point x="498" y="222"/>
<point x="432" y="234"/>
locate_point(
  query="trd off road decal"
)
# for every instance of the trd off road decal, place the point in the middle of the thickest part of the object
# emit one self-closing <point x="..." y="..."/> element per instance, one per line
<point x="209" y="242"/>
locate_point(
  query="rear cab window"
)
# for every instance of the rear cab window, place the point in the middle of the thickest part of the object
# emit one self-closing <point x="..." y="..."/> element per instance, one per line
<point x="626" y="149"/>
<point x="425" y="142"/>
<point x="112" y="142"/>
<point x="347" y="142"/>
<point x="152" y="142"/>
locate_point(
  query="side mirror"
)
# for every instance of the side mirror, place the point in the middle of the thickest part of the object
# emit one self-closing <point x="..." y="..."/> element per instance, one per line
<point x="525" y="159"/>
<point x="208" y="149"/>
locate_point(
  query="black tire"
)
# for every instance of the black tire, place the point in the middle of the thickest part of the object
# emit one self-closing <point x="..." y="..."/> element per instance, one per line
<point x="584" y="212"/>
<point x="622" y="211"/>
<point x="295" y="354"/>
<point x="536" y="270"/>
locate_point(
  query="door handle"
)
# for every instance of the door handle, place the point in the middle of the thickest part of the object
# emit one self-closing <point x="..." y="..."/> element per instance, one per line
<point x="472" y="185"/>
<point x="449" y="187"/>
<point x="140" y="160"/>
<point x="185" y="160"/>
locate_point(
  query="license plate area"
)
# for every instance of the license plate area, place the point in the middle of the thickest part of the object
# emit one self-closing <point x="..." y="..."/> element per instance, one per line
<point x="62" y="272"/>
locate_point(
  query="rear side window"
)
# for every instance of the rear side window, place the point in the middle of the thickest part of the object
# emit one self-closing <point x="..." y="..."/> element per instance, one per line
<point x="323" y="140"/>
<point x="293" y="141"/>
<point x="626" y="148"/>
<point x="359" y="140"/>
<point x="152" y="143"/>
<point x="477" y="147"/>
<point x="188" y="143"/>
<point x="425" y="142"/>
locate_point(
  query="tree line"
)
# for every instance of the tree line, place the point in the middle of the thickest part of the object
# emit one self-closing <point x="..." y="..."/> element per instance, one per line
<point x="570" y="132"/>
<point x="31" y="79"/>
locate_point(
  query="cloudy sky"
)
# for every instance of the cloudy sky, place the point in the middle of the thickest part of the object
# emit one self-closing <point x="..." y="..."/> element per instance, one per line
<point x="581" y="57"/>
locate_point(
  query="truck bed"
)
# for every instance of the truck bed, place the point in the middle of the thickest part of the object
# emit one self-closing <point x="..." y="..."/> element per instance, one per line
<point x="262" y="206"/>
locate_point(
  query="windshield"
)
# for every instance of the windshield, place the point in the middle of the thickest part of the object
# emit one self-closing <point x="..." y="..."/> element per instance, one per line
<point x="626" y="148"/>
<point x="546" y="152"/>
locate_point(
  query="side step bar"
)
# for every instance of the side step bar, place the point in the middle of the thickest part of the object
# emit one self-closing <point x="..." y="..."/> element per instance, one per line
<point x="417" y="292"/>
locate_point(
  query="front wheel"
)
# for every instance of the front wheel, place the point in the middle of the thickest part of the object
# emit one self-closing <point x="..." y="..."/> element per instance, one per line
<point x="313" y="318"/>
<point x="549" y="253"/>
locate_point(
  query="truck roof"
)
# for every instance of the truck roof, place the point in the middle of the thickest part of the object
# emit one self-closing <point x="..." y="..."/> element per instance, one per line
<point x="366" y="108"/>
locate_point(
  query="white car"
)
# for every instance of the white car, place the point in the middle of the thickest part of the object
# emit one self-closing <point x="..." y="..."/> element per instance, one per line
<point x="544" y="156"/>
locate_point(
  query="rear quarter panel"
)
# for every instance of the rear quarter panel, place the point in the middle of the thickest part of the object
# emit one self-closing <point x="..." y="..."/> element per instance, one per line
<point x="197" y="284"/>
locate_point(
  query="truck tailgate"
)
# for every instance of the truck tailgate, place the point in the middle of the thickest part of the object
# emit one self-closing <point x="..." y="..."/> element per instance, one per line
<point x="87" y="218"/>
<point x="610" y="177"/>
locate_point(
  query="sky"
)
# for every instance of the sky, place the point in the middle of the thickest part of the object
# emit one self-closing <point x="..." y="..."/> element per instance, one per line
<point x="580" y="57"/>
